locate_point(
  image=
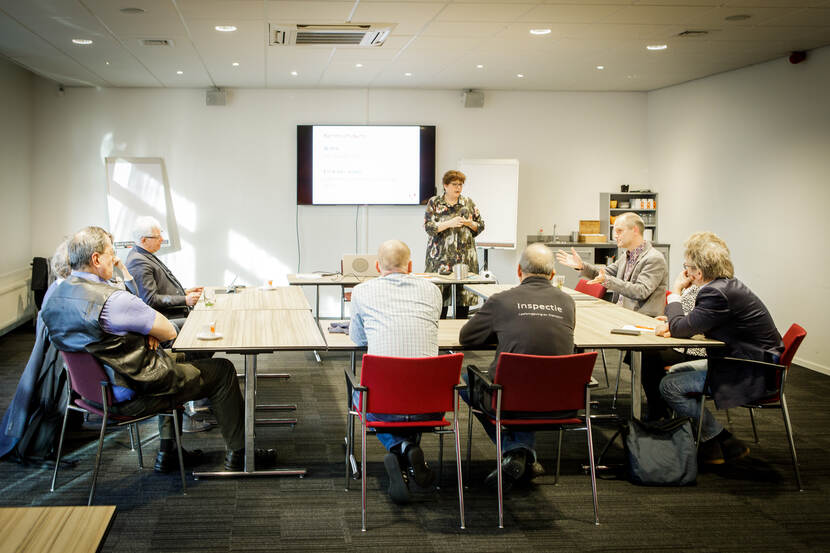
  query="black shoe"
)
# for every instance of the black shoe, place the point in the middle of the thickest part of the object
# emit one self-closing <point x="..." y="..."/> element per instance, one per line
<point x="533" y="469"/>
<point x="710" y="452"/>
<point x="191" y="424"/>
<point x="733" y="449"/>
<point x="418" y="469"/>
<point x="398" y="489"/>
<point x="168" y="461"/>
<point x="512" y="469"/>
<point x="235" y="460"/>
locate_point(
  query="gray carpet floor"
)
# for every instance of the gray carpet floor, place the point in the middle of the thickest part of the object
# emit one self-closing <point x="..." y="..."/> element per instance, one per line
<point x="753" y="505"/>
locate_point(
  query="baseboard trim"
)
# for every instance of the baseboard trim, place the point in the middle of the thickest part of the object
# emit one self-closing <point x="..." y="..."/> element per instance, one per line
<point x="812" y="366"/>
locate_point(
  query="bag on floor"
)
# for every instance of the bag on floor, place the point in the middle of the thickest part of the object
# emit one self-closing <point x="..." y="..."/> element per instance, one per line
<point x="661" y="453"/>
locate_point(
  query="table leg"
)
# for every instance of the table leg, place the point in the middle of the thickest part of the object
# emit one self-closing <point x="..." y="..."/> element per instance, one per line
<point x="636" y="359"/>
<point x="250" y="411"/>
<point x="317" y="316"/>
<point x="454" y="301"/>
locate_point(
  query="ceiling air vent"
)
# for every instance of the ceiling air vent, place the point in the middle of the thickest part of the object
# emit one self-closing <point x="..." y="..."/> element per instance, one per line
<point x="156" y="42"/>
<point x="693" y="34"/>
<point x="360" y="35"/>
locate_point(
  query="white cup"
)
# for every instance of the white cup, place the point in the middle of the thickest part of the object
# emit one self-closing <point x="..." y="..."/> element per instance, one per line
<point x="460" y="271"/>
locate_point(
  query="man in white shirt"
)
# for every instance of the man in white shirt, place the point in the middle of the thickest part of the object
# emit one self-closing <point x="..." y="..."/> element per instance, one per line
<point x="397" y="315"/>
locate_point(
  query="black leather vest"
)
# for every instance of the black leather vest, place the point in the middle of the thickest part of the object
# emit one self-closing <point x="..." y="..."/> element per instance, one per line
<point x="72" y="314"/>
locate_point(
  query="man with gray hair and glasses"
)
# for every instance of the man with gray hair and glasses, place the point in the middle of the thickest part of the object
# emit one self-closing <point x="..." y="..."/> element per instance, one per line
<point x="86" y="313"/>
<point x="534" y="318"/>
<point x="157" y="285"/>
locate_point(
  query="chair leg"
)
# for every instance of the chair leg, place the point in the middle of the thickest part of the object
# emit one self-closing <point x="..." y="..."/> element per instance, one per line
<point x="558" y="458"/>
<point x="347" y="445"/>
<point x="440" y="477"/>
<point x="593" y="465"/>
<point x="469" y="440"/>
<point x="754" y="428"/>
<point x="363" y="472"/>
<point x="134" y="428"/>
<point x="132" y="440"/>
<point x="788" y="427"/>
<point x="700" y="420"/>
<point x="499" y="475"/>
<point x="60" y="447"/>
<point x="100" y="448"/>
<point x="177" y="432"/>
<point x="617" y="385"/>
<point x="458" y="469"/>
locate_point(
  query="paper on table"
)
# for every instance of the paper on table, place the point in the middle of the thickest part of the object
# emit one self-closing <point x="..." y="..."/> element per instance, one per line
<point x="639" y="327"/>
<point x="309" y="275"/>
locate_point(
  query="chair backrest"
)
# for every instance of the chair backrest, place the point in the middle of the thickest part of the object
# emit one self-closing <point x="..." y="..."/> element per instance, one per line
<point x="792" y="339"/>
<point x="86" y="375"/>
<point x="410" y="385"/>
<point x="597" y="290"/>
<point x="543" y="383"/>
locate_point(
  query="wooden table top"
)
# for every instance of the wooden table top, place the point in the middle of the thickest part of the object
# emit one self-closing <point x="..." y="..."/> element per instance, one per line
<point x="59" y="529"/>
<point x="350" y="280"/>
<point x="594" y="322"/>
<point x="251" y="330"/>
<point x="279" y="297"/>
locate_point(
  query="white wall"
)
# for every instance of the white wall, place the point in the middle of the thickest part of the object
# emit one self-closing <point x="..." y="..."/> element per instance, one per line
<point x="232" y="169"/>
<point x="746" y="154"/>
<point x="16" y="105"/>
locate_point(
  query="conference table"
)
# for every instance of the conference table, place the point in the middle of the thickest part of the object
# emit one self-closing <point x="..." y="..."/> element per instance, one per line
<point x="73" y="529"/>
<point x="596" y="318"/>
<point x="326" y="279"/>
<point x="251" y="321"/>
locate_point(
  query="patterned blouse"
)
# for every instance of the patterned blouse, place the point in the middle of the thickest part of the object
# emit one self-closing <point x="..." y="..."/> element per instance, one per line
<point x="454" y="245"/>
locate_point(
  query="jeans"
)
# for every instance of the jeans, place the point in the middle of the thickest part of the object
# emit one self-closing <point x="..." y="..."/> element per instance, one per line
<point x="511" y="440"/>
<point x="688" y="378"/>
<point x="391" y="439"/>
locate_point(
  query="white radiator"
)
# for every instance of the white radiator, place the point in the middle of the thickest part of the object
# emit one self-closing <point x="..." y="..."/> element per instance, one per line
<point x="16" y="299"/>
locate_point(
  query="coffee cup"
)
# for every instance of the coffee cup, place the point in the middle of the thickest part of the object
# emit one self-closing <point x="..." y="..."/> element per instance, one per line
<point x="460" y="271"/>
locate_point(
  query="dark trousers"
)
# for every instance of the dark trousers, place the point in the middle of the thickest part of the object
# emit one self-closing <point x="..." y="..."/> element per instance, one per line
<point x="654" y="363"/>
<point x="214" y="379"/>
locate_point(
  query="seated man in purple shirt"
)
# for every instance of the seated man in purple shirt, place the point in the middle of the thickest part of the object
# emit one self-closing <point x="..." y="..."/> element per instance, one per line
<point x="87" y="313"/>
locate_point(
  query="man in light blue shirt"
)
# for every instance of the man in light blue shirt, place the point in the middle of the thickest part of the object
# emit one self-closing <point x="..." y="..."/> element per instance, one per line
<point x="397" y="315"/>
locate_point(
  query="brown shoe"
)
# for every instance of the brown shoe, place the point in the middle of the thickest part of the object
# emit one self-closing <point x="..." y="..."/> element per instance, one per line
<point x="710" y="452"/>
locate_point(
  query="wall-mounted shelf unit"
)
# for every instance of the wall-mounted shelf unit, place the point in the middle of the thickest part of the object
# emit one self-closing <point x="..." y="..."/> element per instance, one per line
<point x="638" y="202"/>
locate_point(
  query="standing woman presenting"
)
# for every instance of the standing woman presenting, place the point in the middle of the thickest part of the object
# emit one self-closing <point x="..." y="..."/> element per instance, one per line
<point x="452" y="222"/>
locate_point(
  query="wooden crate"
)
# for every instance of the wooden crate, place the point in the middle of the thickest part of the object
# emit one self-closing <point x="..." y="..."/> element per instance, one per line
<point x="589" y="226"/>
<point x="593" y="238"/>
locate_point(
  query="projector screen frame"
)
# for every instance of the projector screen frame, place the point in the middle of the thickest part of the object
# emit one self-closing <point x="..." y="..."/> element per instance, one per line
<point x="305" y="163"/>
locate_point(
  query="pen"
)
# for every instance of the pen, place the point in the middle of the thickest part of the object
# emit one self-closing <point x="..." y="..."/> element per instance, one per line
<point x="644" y="327"/>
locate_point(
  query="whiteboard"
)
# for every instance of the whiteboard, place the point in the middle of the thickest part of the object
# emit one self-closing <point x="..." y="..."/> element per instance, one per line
<point x="493" y="184"/>
<point x="137" y="186"/>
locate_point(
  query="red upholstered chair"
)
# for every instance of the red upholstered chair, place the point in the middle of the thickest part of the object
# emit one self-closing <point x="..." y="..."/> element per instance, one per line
<point x="406" y="386"/>
<point x="778" y="378"/>
<point x="534" y="390"/>
<point x="91" y="392"/>
<point x="598" y="291"/>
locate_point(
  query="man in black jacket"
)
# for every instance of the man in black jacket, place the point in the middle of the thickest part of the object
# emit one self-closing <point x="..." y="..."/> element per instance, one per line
<point x="726" y="310"/>
<point x="157" y="285"/>
<point x="533" y="318"/>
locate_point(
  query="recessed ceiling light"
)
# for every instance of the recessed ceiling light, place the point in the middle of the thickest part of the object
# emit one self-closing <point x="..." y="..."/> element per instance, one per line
<point x="179" y="72"/>
<point x="738" y="17"/>
<point x="540" y="31"/>
<point x="294" y="73"/>
<point x="131" y="11"/>
<point x="657" y="46"/>
<point x="407" y="74"/>
<point x="225" y="28"/>
<point x="235" y="64"/>
<point x="82" y="41"/>
<point x="358" y="65"/>
<point x="600" y="67"/>
<point x="480" y="66"/>
<point x="107" y="62"/>
<point x="520" y="75"/>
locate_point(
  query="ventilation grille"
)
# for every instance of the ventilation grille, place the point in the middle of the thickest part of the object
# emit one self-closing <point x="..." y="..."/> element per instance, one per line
<point x="156" y="42"/>
<point x="693" y="34"/>
<point x="365" y="36"/>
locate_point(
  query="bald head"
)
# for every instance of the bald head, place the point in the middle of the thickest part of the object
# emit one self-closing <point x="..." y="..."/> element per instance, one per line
<point x="393" y="257"/>
<point x="537" y="260"/>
